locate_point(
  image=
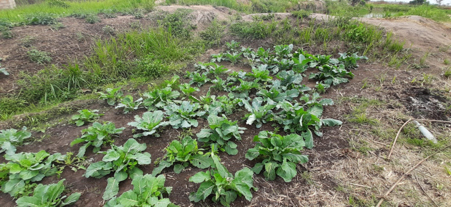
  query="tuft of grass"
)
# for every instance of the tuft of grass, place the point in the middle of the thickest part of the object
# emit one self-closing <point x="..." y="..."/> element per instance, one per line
<point x="213" y="34"/>
<point x="253" y="30"/>
<point x="92" y="18"/>
<point x="447" y="72"/>
<point x="446" y="61"/>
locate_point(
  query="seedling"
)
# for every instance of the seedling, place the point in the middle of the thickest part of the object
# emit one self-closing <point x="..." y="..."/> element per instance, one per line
<point x="258" y="113"/>
<point x="85" y="116"/>
<point x="111" y="96"/>
<point x="158" y="98"/>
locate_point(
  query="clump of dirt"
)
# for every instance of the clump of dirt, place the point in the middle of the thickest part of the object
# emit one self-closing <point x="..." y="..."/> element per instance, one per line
<point x="426" y="104"/>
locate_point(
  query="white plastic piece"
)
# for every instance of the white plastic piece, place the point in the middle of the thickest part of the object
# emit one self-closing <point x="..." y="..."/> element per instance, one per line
<point x="426" y="132"/>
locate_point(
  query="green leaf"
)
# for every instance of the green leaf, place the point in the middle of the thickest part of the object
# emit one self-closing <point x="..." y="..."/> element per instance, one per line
<point x="230" y="148"/>
<point x="111" y="189"/>
<point x="204" y="190"/>
<point x="258" y="168"/>
<point x="111" y="155"/>
<point x="178" y="168"/>
<point x="308" y="137"/>
<point x="161" y="166"/>
<point x="201" y="161"/>
<point x="287" y="171"/>
<point x="200" y="177"/>
<point x="79" y="123"/>
<point x="128" y="198"/>
<point x="221" y="169"/>
<point x="270" y="170"/>
<point x="27" y="201"/>
<point x="331" y="122"/>
<point x="71" y="199"/>
<point x="252" y="153"/>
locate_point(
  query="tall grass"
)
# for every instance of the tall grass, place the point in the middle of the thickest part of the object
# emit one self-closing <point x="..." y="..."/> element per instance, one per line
<point x="20" y="14"/>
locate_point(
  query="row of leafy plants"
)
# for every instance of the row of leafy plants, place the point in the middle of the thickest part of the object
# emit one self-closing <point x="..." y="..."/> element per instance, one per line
<point x="271" y="94"/>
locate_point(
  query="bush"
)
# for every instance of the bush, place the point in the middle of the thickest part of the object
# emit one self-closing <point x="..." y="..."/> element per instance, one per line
<point x="11" y="105"/>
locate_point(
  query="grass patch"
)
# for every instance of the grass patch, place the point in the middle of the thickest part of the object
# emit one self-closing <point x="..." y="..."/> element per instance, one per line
<point x="47" y="13"/>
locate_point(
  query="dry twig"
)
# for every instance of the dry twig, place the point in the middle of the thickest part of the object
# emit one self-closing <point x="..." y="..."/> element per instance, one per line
<point x="406" y="173"/>
<point x="396" y="138"/>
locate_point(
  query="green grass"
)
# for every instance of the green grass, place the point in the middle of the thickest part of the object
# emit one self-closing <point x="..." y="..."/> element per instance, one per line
<point x="23" y="13"/>
<point x="254" y="6"/>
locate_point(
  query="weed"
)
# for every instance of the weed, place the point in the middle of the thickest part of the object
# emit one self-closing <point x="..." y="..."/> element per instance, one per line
<point x="446" y="61"/>
<point x="58" y="26"/>
<point x="177" y="23"/>
<point x="252" y="30"/>
<point x="92" y="18"/>
<point x="6" y="32"/>
<point x="108" y="30"/>
<point x="301" y="14"/>
<point x="213" y="34"/>
<point x="39" y="57"/>
<point x="447" y="72"/>
<point x="41" y="19"/>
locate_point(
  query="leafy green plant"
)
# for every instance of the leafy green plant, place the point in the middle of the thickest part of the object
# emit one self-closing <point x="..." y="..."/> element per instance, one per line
<point x="294" y="118"/>
<point x="275" y="94"/>
<point x="97" y="135"/>
<point x="149" y="123"/>
<point x="48" y="195"/>
<point x="147" y="191"/>
<point x="210" y="68"/>
<point x="221" y="104"/>
<point x="199" y="79"/>
<point x="350" y="62"/>
<point x="85" y="115"/>
<point x="233" y="57"/>
<point x="39" y="57"/>
<point x="288" y="80"/>
<point x="10" y="138"/>
<point x="220" y="134"/>
<point x="40" y="19"/>
<point x="258" y="113"/>
<point x="220" y="183"/>
<point x="187" y="89"/>
<point x="232" y="45"/>
<point x="121" y="160"/>
<point x="184" y="115"/>
<point x="128" y="104"/>
<point x="217" y="58"/>
<point x="158" y="98"/>
<point x="111" y="96"/>
<point x="23" y="169"/>
<point x="181" y="154"/>
<point x="280" y="155"/>
<point x="332" y="75"/>
<point x="244" y="88"/>
<point x="260" y="74"/>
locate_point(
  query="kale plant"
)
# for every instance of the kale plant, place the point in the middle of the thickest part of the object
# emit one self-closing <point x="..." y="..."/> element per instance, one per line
<point x="220" y="134"/>
<point x="97" y="135"/>
<point x="158" y="98"/>
<point x="111" y="96"/>
<point x="181" y="154"/>
<point x="128" y="104"/>
<point x="258" y="113"/>
<point x="184" y="115"/>
<point x="86" y="115"/>
<point x="149" y="123"/>
<point x="220" y="183"/>
<point x="121" y="160"/>
<point x="48" y="195"/>
<point x="147" y="191"/>
<point x="280" y="154"/>
<point x="10" y="138"/>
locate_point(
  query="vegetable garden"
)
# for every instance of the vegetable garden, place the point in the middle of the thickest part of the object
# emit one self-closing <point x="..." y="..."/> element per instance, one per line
<point x="270" y="98"/>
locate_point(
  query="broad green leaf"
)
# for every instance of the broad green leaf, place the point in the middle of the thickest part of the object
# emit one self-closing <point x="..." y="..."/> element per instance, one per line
<point x="287" y="171"/>
<point x="111" y="155"/>
<point x="252" y="153"/>
<point x="128" y="198"/>
<point x="230" y="148"/>
<point x="27" y="201"/>
<point x="331" y="122"/>
<point x="178" y="168"/>
<point x="308" y="137"/>
<point x="71" y="199"/>
<point x="200" y="177"/>
<point x="201" y="161"/>
<point x="270" y="170"/>
<point x="111" y="189"/>
<point x="205" y="190"/>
